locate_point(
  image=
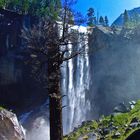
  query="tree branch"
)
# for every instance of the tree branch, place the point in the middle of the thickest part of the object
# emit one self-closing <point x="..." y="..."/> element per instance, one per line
<point x="72" y="56"/>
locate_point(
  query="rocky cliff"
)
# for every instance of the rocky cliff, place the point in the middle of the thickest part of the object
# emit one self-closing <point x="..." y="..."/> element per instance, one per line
<point x="133" y="16"/>
<point x="10" y="128"/>
<point x="19" y="91"/>
<point x="114" y="68"/>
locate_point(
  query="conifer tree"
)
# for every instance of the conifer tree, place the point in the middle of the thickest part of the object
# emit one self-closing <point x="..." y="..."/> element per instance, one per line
<point x="106" y="21"/>
<point x="126" y="18"/>
<point x="101" y="20"/>
<point x="33" y="7"/>
<point x="91" y="18"/>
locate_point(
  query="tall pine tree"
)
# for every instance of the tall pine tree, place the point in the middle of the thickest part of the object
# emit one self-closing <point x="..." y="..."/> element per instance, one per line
<point x="101" y="20"/>
<point x="90" y="17"/>
<point x="125" y="18"/>
<point x="106" y="21"/>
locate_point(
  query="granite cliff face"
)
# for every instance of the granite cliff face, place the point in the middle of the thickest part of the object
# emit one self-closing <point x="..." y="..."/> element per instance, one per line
<point x="115" y="71"/>
<point x="133" y="15"/>
<point x="114" y="74"/>
<point x="18" y="90"/>
<point x="10" y="128"/>
<point x="112" y="70"/>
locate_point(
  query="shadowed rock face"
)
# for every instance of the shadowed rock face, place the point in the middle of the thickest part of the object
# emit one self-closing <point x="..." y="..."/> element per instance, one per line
<point x="10" y="129"/>
<point x="114" y="69"/>
<point x="18" y="90"/>
<point x="132" y="15"/>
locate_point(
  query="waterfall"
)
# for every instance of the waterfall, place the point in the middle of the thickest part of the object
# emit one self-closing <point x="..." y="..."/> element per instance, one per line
<point x="75" y="84"/>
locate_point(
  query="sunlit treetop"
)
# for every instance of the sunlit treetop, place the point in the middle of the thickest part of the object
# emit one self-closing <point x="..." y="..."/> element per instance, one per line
<point x="33" y="7"/>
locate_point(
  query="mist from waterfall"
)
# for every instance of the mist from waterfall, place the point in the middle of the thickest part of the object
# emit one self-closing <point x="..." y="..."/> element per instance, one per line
<point x="40" y="130"/>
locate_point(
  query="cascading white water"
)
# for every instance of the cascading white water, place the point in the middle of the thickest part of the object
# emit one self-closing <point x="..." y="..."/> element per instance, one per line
<point x="75" y="83"/>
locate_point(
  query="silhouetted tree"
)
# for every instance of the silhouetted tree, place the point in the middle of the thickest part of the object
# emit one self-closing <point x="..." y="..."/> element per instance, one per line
<point x="71" y="17"/>
<point x="126" y="18"/>
<point x="101" y="20"/>
<point x="90" y="17"/>
<point x="48" y="44"/>
<point x="106" y="21"/>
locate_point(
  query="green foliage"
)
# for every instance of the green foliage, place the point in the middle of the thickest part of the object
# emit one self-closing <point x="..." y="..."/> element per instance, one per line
<point x="2" y="3"/>
<point x="1" y="108"/>
<point x="134" y="21"/>
<point x="120" y="121"/>
<point x="34" y="7"/>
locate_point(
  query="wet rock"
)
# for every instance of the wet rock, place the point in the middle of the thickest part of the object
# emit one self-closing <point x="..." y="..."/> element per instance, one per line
<point x="116" y="135"/>
<point x="132" y="102"/>
<point x="126" y="125"/>
<point x="132" y="106"/>
<point x="89" y="136"/>
<point x="128" y="130"/>
<point x="134" y="125"/>
<point x="134" y="120"/>
<point x="86" y="123"/>
<point x="83" y="138"/>
<point x="106" y="131"/>
<point x="10" y="129"/>
<point x="115" y="127"/>
<point x="134" y="136"/>
<point x="111" y="123"/>
<point x="121" y="108"/>
<point x="92" y="136"/>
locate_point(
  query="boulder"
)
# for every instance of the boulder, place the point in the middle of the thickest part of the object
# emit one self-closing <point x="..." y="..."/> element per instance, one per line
<point x="116" y="135"/>
<point x="92" y="136"/>
<point x="10" y="129"/>
<point x="89" y="136"/>
<point x="121" y="108"/>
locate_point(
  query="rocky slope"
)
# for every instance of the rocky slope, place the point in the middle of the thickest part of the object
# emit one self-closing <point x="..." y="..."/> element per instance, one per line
<point x="133" y="14"/>
<point x="10" y="128"/>
<point x="117" y="126"/>
<point x="114" y="69"/>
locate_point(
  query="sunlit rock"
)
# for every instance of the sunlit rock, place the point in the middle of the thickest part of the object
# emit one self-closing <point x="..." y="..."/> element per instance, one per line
<point x="10" y="129"/>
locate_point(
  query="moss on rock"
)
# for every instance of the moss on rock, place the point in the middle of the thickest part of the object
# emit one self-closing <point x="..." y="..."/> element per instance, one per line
<point x="1" y="108"/>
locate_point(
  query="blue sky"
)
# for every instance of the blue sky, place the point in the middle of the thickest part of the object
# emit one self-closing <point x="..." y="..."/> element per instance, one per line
<point x="111" y="8"/>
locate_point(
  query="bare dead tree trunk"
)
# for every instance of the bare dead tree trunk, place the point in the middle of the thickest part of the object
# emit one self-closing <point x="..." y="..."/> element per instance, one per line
<point x="56" y="131"/>
<point x="49" y="48"/>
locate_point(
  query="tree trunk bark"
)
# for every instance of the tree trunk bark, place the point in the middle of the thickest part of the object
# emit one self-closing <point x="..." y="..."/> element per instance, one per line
<point x="56" y="130"/>
<point x="55" y="118"/>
